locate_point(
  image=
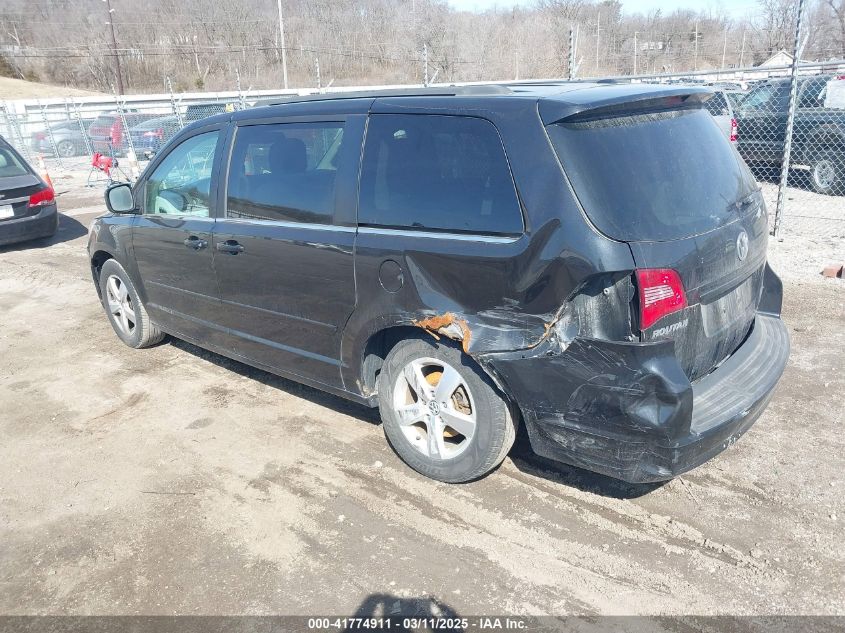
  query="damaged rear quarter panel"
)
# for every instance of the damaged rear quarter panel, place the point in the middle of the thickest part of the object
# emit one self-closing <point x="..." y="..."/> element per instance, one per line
<point x="488" y="294"/>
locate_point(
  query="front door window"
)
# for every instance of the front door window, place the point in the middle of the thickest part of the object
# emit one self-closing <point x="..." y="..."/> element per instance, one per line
<point x="181" y="184"/>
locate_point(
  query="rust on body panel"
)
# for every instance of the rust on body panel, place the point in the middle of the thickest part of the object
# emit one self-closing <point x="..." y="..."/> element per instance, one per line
<point x="447" y="325"/>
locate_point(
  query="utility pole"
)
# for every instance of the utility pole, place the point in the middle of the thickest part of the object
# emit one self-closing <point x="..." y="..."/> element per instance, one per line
<point x="114" y="49"/>
<point x="635" y="54"/>
<point x="695" y="63"/>
<point x="797" y="49"/>
<point x="742" y="50"/>
<point x="571" y="64"/>
<point x="317" y="69"/>
<point x="282" y="40"/>
<point x="725" y="48"/>
<point x="598" y="36"/>
<point x="425" y="64"/>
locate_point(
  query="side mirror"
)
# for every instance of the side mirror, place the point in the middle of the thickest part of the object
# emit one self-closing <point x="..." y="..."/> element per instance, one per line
<point x="119" y="198"/>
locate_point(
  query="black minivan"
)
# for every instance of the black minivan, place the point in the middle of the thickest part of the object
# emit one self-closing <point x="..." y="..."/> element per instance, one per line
<point x="585" y="259"/>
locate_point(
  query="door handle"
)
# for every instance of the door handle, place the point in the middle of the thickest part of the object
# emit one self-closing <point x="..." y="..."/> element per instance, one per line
<point x="195" y="243"/>
<point x="230" y="246"/>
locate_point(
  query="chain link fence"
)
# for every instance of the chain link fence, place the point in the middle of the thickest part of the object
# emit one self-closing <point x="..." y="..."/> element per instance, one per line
<point x="790" y="131"/>
<point x="801" y="164"/>
<point x="68" y="135"/>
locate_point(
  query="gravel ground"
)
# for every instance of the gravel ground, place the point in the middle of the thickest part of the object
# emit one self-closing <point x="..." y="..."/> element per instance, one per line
<point x="172" y="480"/>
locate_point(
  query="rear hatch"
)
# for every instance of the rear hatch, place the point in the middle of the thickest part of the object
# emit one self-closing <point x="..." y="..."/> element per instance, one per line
<point x="658" y="174"/>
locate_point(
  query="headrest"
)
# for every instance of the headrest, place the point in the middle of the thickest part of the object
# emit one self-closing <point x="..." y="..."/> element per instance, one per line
<point x="287" y="156"/>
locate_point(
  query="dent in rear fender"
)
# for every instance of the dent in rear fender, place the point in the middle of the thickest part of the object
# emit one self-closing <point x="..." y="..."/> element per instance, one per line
<point x="615" y="388"/>
<point x="597" y="308"/>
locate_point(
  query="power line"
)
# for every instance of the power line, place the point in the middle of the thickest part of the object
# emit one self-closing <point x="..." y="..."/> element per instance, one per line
<point x="133" y="53"/>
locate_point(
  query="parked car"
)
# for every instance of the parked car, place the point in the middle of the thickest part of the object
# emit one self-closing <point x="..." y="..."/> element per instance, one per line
<point x="469" y="259"/>
<point x="818" y="140"/>
<point x="149" y="136"/>
<point x="27" y="203"/>
<point x="720" y="107"/>
<point x="67" y="138"/>
<point x="107" y="133"/>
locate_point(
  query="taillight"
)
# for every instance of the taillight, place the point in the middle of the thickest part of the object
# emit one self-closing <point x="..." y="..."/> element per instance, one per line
<point x="159" y="134"/>
<point x="661" y="293"/>
<point x="42" y="197"/>
<point x="734" y="131"/>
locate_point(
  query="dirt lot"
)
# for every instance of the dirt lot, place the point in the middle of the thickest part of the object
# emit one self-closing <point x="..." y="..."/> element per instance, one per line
<point x="172" y="480"/>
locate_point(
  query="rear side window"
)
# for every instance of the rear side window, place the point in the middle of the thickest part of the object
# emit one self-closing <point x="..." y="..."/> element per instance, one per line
<point x="10" y="164"/>
<point x="653" y="176"/>
<point x="284" y="172"/>
<point x="442" y="173"/>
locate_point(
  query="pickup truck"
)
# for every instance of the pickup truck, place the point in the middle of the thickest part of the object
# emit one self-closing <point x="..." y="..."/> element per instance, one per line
<point x="818" y="140"/>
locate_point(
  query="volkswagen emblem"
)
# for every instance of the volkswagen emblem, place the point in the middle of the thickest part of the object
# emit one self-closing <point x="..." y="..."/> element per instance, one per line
<point x="742" y="246"/>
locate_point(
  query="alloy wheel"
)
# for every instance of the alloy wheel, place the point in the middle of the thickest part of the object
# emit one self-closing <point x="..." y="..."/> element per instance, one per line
<point x="66" y="149"/>
<point x="120" y="305"/>
<point x="435" y="408"/>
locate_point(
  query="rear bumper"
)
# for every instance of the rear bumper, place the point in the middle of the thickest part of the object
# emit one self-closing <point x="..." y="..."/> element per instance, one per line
<point x="627" y="410"/>
<point x="44" y="224"/>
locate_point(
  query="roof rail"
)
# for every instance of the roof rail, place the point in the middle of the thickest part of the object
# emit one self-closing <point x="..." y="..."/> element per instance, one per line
<point x="434" y="91"/>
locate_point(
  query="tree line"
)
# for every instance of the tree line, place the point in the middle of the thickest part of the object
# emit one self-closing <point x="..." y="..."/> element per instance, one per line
<point x="210" y="45"/>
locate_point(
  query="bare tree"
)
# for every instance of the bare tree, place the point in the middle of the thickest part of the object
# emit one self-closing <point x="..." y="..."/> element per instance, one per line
<point x="202" y="44"/>
<point x="838" y="9"/>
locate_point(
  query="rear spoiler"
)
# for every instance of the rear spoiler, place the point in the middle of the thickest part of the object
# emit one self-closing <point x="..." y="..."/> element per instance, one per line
<point x="612" y="100"/>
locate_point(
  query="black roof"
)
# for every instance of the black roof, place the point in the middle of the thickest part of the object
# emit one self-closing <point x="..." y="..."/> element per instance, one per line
<point x="557" y="99"/>
<point x="575" y="92"/>
<point x="434" y="91"/>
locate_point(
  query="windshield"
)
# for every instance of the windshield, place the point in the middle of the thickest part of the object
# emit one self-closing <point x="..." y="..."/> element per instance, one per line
<point x="653" y="176"/>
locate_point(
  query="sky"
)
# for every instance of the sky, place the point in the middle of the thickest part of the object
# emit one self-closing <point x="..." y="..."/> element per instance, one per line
<point x="735" y="8"/>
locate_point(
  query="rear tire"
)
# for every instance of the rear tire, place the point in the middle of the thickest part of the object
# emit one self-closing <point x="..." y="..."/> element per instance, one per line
<point x="124" y="308"/>
<point x="826" y="171"/>
<point x="442" y="414"/>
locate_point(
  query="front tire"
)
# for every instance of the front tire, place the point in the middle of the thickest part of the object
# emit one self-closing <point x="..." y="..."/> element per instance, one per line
<point x="124" y="308"/>
<point x="442" y="414"/>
